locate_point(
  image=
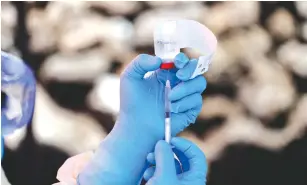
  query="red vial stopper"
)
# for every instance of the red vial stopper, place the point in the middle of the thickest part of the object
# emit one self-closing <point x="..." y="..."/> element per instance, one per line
<point x="168" y="65"/>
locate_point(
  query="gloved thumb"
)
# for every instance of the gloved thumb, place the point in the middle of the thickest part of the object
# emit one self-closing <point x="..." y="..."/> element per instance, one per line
<point x="165" y="164"/>
<point x="141" y="65"/>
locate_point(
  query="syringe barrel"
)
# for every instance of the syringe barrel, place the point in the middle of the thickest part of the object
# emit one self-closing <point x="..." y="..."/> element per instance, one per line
<point x="166" y="94"/>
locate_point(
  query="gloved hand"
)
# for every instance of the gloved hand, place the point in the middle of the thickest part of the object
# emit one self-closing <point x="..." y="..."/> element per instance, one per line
<point x="18" y="84"/>
<point x="194" y="166"/>
<point x="120" y="159"/>
<point x="2" y="147"/>
<point x="144" y="98"/>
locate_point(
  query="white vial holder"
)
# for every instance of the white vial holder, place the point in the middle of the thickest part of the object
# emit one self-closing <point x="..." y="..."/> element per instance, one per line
<point x="172" y="35"/>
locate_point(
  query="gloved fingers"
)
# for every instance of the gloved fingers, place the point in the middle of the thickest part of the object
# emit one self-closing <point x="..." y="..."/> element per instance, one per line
<point x="12" y="67"/>
<point x="194" y="154"/>
<point x="163" y="75"/>
<point x="183" y="71"/>
<point x="186" y="103"/>
<point x="15" y="71"/>
<point x="183" y="89"/>
<point x="165" y="165"/>
<point x="149" y="173"/>
<point x="2" y="146"/>
<point x="186" y="72"/>
<point x="185" y="165"/>
<point x="18" y="83"/>
<point x="29" y="100"/>
<point x="142" y="64"/>
<point x="181" y="60"/>
<point x="151" y="160"/>
<point x="20" y="99"/>
<point x="182" y="120"/>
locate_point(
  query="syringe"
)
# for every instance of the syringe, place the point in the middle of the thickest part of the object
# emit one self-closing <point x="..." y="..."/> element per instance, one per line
<point x="167" y="112"/>
<point x="172" y="35"/>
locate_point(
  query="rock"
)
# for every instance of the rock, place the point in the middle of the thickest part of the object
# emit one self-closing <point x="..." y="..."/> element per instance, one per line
<point x="243" y="13"/>
<point x="301" y="7"/>
<point x="43" y="33"/>
<point x="221" y="63"/>
<point x="293" y="55"/>
<point x="13" y="140"/>
<point x="85" y="66"/>
<point x="228" y="61"/>
<point x="8" y="14"/>
<point x="171" y="3"/>
<point x="268" y="88"/>
<point x="88" y="27"/>
<point x="117" y="7"/>
<point x="115" y="33"/>
<point x="69" y="131"/>
<point x="4" y="180"/>
<point x="304" y="31"/>
<point x="281" y="24"/>
<point x="125" y="60"/>
<point x="8" y="24"/>
<point x="255" y="41"/>
<point x="231" y="14"/>
<point x="14" y="52"/>
<point x="297" y="119"/>
<point x="259" y="41"/>
<point x="58" y="12"/>
<point x="46" y="25"/>
<point x="239" y="128"/>
<point x="106" y="94"/>
<point x="7" y="37"/>
<point x="219" y="106"/>
<point x="145" y="22"/>
<point x="119" y="36"/>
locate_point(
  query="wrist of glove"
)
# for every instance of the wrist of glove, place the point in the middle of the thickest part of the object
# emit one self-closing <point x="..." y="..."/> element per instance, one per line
<point x="123" y="147"/>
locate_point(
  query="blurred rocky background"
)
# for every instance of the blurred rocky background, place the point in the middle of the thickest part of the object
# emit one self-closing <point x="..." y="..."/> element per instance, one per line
<point x="253" y="124"/>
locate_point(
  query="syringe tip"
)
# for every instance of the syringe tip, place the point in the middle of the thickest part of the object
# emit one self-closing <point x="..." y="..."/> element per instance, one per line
<point x="167" y="83"/>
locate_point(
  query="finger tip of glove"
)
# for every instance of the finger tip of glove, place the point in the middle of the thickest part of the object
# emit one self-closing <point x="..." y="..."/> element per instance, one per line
<point x="149" y="60"/>
<point x="182" y="75"/>
<point x="203" y="81"/>
<point x="175" y="140"/>
<point x="150" y="157"/>
<point x="147" y="175"/>
<point x="162" y="145"/>
<point x="181" y="60"/>
<point x="155" y="61"/>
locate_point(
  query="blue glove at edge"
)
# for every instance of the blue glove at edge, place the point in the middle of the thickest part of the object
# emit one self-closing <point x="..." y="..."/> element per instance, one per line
<point x="18" y="82"/>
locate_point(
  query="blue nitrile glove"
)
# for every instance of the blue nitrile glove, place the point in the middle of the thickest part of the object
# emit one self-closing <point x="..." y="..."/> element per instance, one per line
<point x="121" y="157"/>
<point x="18" y="84"/>
<point x="2" y="147"/>
<point x="194" y="166"/>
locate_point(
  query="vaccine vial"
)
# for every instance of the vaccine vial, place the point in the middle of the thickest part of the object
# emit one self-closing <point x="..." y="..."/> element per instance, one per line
<point x="165" y="43"/>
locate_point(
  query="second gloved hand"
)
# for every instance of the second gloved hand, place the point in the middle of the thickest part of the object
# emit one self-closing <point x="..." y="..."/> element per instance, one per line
<point x="194" y="166"/>
<point x="18" y="87"/>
